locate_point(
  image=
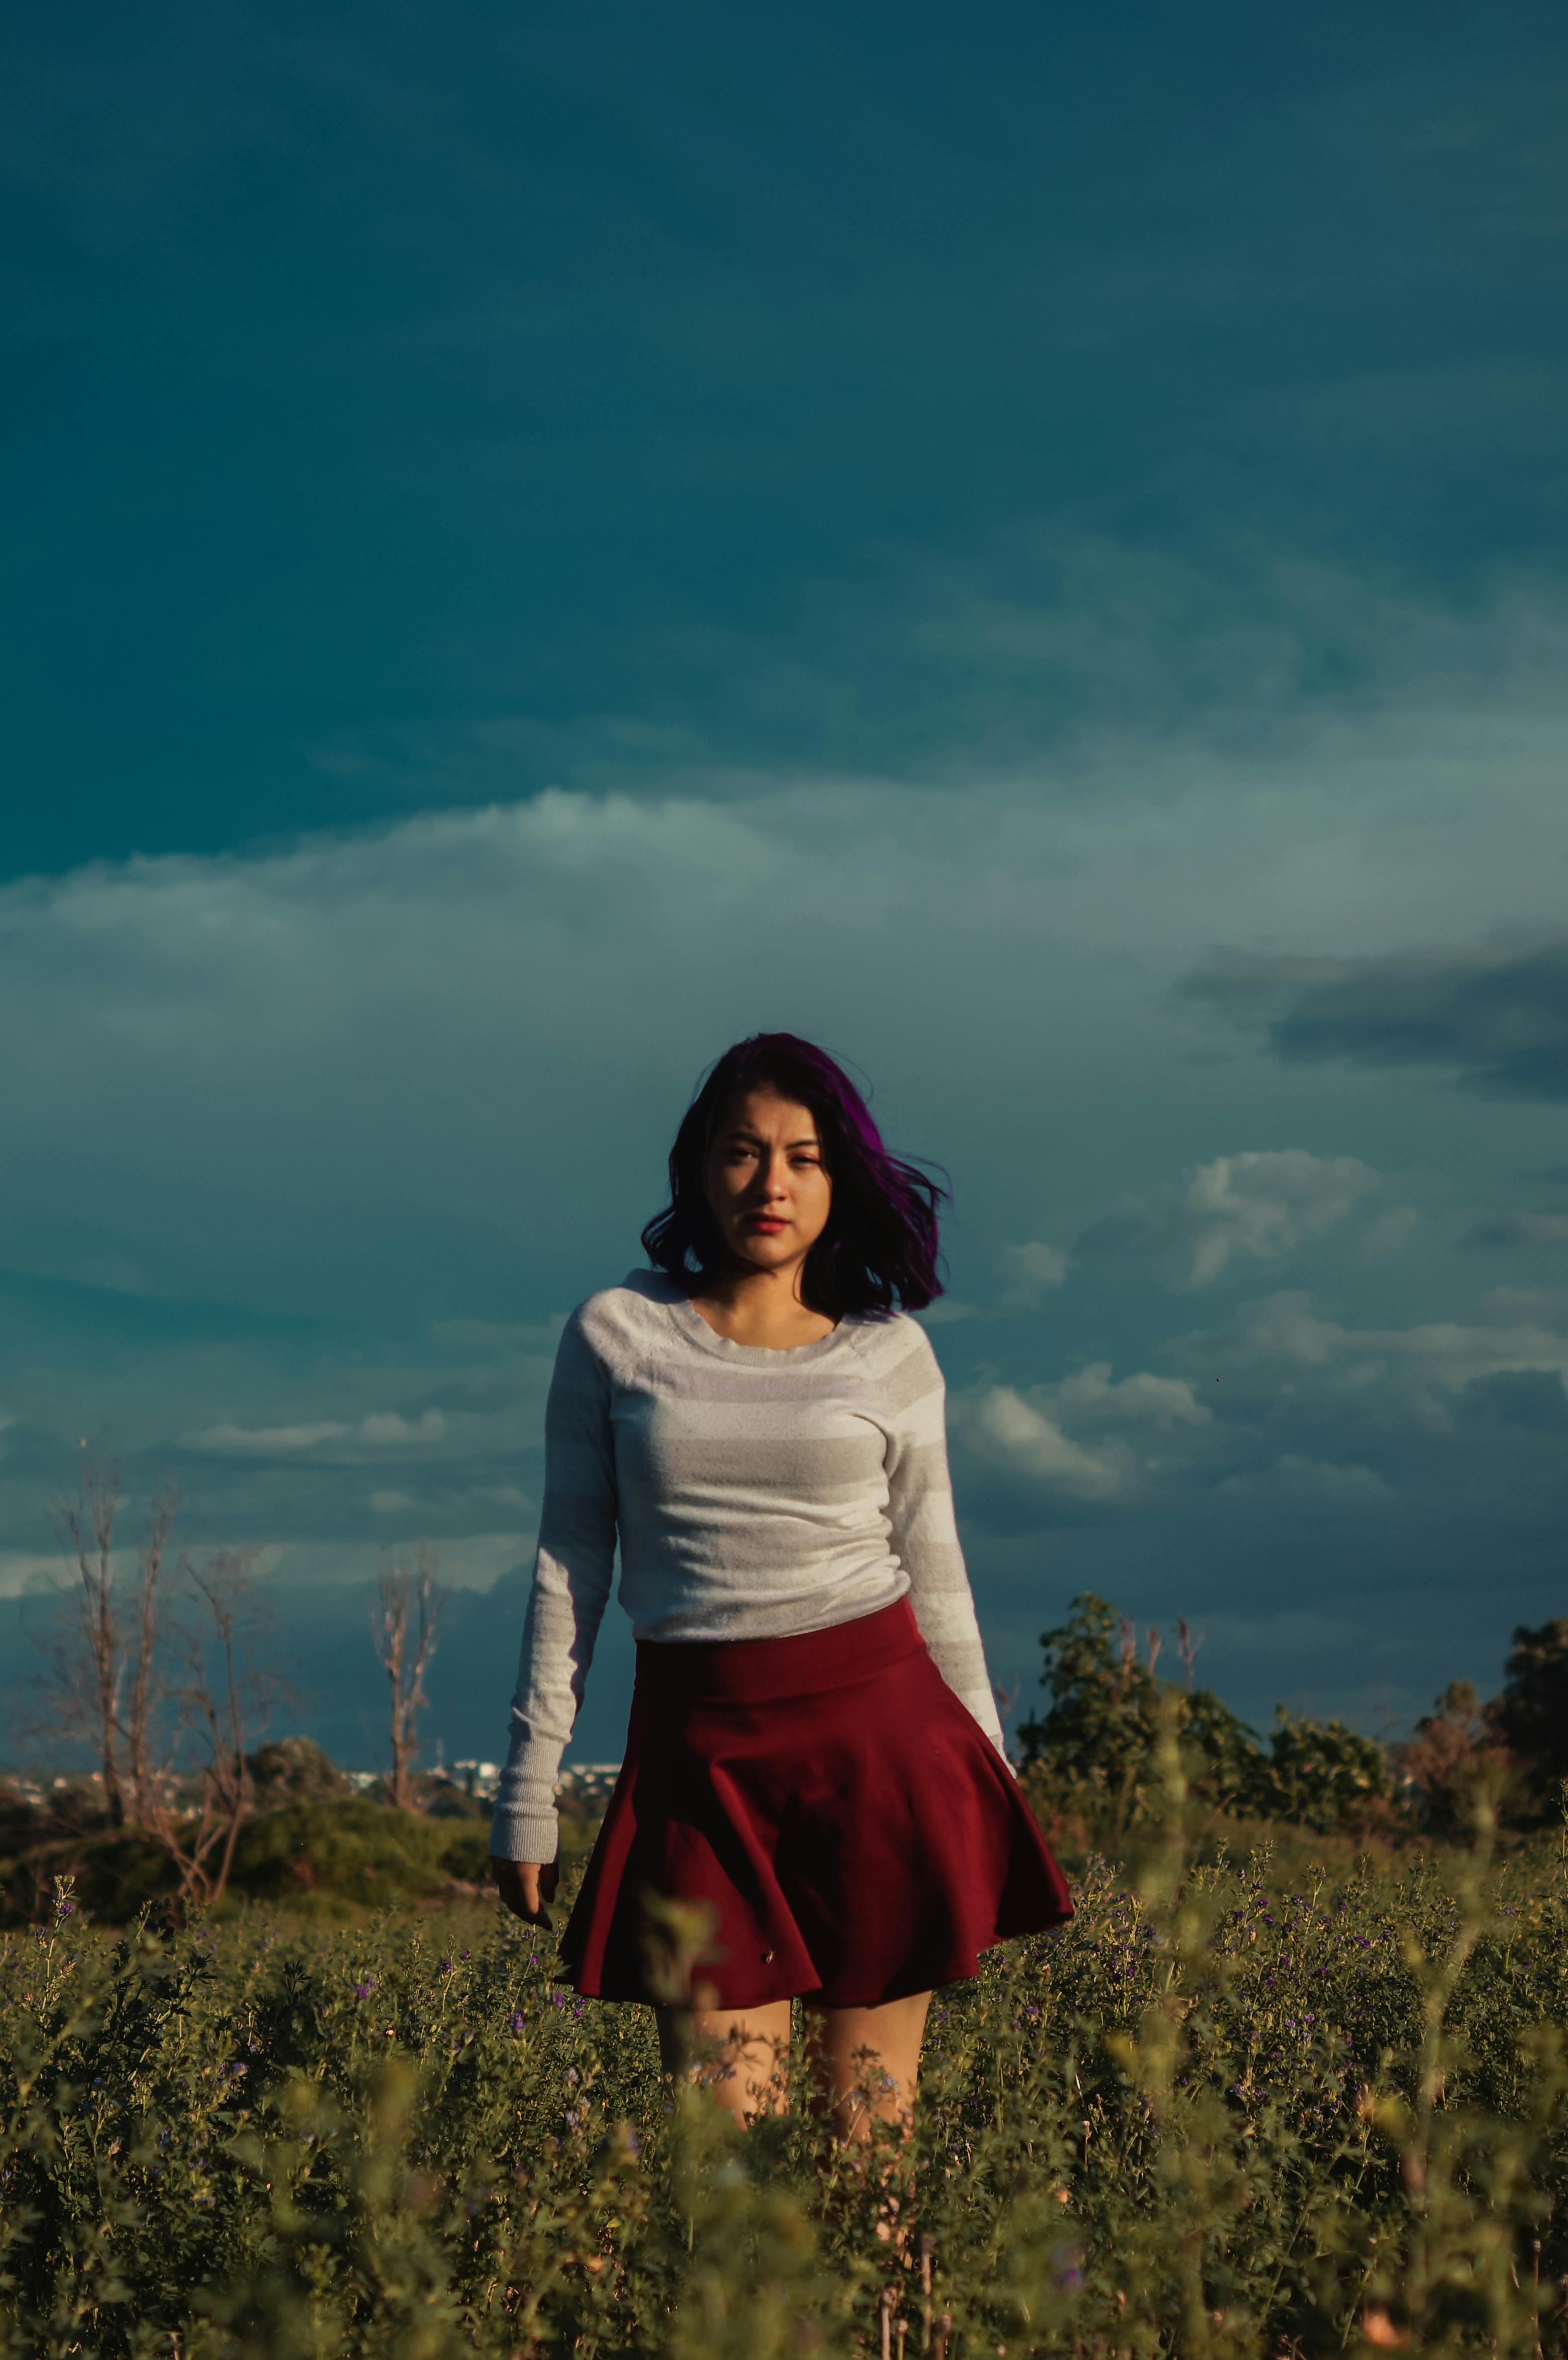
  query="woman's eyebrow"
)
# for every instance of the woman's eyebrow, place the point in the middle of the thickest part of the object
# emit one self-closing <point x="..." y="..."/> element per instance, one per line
<point x="754" y="1138"/>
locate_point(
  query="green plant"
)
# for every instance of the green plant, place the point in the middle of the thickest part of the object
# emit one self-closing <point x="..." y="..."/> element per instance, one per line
<point x="1237" y="2108"/>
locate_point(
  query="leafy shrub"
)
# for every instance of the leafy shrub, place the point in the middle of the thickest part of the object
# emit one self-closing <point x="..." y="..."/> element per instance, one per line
<point x="358" y="1850"/>
<point x="1321" y="1775"/>
<point x="336" y="1857"/>
<point x="294" y="1770"/>
<point x="1215" y="2117"/>
<point x="1452" y="1757"/>
<point x="1098" y="1748"/>
<point x="1531" y="1716"/>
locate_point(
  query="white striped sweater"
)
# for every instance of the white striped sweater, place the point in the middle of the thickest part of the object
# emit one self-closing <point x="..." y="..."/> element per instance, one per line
<point x="754" y="1492"/>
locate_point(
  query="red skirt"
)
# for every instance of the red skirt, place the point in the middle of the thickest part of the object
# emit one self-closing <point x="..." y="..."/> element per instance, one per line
<point x="855" y="1835"/>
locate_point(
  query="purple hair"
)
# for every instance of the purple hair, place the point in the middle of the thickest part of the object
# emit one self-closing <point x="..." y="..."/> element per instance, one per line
<point x="878" y="1252"/>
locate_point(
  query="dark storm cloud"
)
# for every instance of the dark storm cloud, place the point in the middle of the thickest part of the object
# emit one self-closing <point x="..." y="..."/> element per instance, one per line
<point x="1496" y="1015"/>
<point x="1518" y="1230"/>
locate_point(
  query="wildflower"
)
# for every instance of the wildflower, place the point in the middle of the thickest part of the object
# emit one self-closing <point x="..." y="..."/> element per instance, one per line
<point x="363" y="1990"/>
<point x="518" y="2019"/>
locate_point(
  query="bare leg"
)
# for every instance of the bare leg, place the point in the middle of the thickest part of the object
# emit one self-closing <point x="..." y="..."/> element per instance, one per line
<point x="754" y="2051"/>
<point x="865" y="2063"/>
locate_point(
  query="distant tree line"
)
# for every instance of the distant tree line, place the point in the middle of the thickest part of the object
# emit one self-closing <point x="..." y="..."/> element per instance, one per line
<point x="1096" y="1750"/>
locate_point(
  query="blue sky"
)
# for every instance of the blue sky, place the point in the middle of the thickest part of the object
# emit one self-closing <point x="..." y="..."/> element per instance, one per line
<point x="1029" y="547"/>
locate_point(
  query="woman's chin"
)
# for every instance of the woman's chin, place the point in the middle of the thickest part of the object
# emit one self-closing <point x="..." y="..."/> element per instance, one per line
<point x="765" y="1253"/>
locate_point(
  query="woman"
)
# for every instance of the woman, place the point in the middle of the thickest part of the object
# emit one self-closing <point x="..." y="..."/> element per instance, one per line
<point x="814" y="1760"/>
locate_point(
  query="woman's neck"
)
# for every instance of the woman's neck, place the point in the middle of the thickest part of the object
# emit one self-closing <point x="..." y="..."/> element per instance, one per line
<point x="759" y="1306"/>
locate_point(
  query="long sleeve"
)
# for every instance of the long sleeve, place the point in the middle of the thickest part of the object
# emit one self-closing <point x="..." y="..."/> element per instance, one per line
<point x="925" y="1534"/>
<point x="571" y="1582"/>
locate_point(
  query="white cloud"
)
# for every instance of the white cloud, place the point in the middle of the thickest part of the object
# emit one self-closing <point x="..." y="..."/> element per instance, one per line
<point x="1391" y="1232"/>
<point x="24" y="1572"/>
<point x="1089" y="1436"/>
<point x="1019" y="1434"/>
<point x="1030" y="1272"/>
<point x="1263" y="1204"/>
<point x="1313" y="1482"/>
<point x="1259" y="1205"/>
<point x="946" y="1311"/>
<point x="1528" y="1306"/>
<point x="379" y="1430"/>
<point x="392" y="1503"/>
<point x="505" y="1495"/>
<point x="1542" y="1229"/>
<point x="466" y="1561"/>
<point x="388" y="1430"/>
<point x="1443" y="1353"/>
<point x="268" y="1441"/>
<point x="1142" y="1398"/>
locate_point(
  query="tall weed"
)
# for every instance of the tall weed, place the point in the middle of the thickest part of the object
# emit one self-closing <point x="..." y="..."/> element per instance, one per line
<point x="1219" y="2114"/>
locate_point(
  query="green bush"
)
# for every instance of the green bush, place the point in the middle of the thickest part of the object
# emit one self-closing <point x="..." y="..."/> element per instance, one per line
<point x="1096" y="1752"/>
<point x="358" y="1851"/>
<point x="325" y="1858"/>
<point x="1215" y="2117"/>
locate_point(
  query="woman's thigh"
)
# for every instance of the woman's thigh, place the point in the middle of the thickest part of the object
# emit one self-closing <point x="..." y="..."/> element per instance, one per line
<point x="865" y="2061"/>
<point x="750" y="2045"/>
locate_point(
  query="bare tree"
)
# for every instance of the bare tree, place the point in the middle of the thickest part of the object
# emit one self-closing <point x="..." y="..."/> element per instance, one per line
<point x="144" y="1683"/>
<point x="85" y="1651"/>
<point x="201" y="1795"/>
<point x="161" y="1697"/>
<point x="405" y="1627"/>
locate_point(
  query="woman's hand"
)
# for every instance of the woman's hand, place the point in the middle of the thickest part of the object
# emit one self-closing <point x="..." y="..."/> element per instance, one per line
<point x="524" y="1885"/>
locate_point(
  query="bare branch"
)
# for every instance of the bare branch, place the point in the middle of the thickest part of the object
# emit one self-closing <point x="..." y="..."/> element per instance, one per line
<point x="405" y="1628"/>
<point x="1187" y="1645"/>
<point x="86" y="1660"/>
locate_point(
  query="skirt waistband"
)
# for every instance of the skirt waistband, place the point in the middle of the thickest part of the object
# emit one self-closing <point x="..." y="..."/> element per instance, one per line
<point x="763" y="1671"/>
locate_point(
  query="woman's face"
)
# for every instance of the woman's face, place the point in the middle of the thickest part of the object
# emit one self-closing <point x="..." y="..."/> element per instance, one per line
<point x="766" y="1182"/>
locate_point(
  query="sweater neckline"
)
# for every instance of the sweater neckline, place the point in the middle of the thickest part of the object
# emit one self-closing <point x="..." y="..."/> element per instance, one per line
<point x="762" y="1355"/>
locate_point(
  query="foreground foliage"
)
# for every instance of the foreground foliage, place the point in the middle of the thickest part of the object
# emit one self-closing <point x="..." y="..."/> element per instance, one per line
<point x="1218" y="2114"/>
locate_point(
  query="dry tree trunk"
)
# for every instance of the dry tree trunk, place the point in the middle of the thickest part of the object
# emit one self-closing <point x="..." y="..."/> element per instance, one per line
<point x="404" y="1630"/>
<point x="88" y="1676"/>
<point x="144" y="1695"/>
<point x="167" y="1709"/>
<point x="217" y="1704"/>
<point x="226" y="1779"/>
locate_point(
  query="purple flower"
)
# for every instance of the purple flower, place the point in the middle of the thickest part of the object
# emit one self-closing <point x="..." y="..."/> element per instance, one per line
<point x="445" y="1967"/>
<point x="363" y="1990"/>
<point x="518" y="2019"/>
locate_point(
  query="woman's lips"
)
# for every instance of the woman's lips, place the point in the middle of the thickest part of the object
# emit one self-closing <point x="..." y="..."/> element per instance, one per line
<point x="764" y="1221"/>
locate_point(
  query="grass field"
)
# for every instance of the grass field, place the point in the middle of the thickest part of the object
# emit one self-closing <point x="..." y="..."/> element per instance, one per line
<point x="1287" y="2105"/>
